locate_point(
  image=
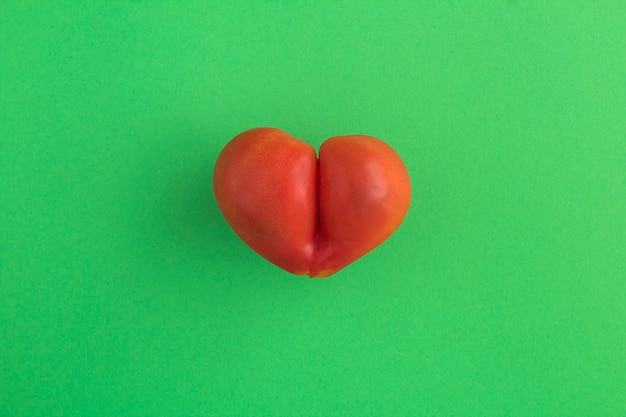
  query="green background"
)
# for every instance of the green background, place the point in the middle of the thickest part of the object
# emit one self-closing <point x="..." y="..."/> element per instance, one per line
<point x="123" y="292"/>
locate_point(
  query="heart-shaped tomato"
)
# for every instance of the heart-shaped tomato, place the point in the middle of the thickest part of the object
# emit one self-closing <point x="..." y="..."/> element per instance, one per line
<point x="306" y="215"/>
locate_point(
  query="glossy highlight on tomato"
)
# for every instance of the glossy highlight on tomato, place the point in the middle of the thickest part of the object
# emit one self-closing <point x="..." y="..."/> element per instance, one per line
<point x="308" y="215"/>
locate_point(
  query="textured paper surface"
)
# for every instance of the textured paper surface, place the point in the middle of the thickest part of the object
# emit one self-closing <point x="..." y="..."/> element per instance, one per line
<point x="124" y="293"/>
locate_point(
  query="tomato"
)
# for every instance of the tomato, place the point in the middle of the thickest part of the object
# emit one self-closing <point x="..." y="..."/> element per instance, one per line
<point x="306" y="215"/>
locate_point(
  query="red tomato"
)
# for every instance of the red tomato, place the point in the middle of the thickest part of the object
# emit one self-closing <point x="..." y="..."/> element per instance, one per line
<point x="309" y="216"/>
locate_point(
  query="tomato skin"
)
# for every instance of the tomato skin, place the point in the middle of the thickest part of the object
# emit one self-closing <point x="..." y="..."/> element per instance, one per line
<point x="265" y="185"/>
<point x="364" y="194"/>
<point x="306" y="216"/>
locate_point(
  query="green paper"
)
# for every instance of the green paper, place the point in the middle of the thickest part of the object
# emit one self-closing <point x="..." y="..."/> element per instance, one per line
<point x="123" y="292"/>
